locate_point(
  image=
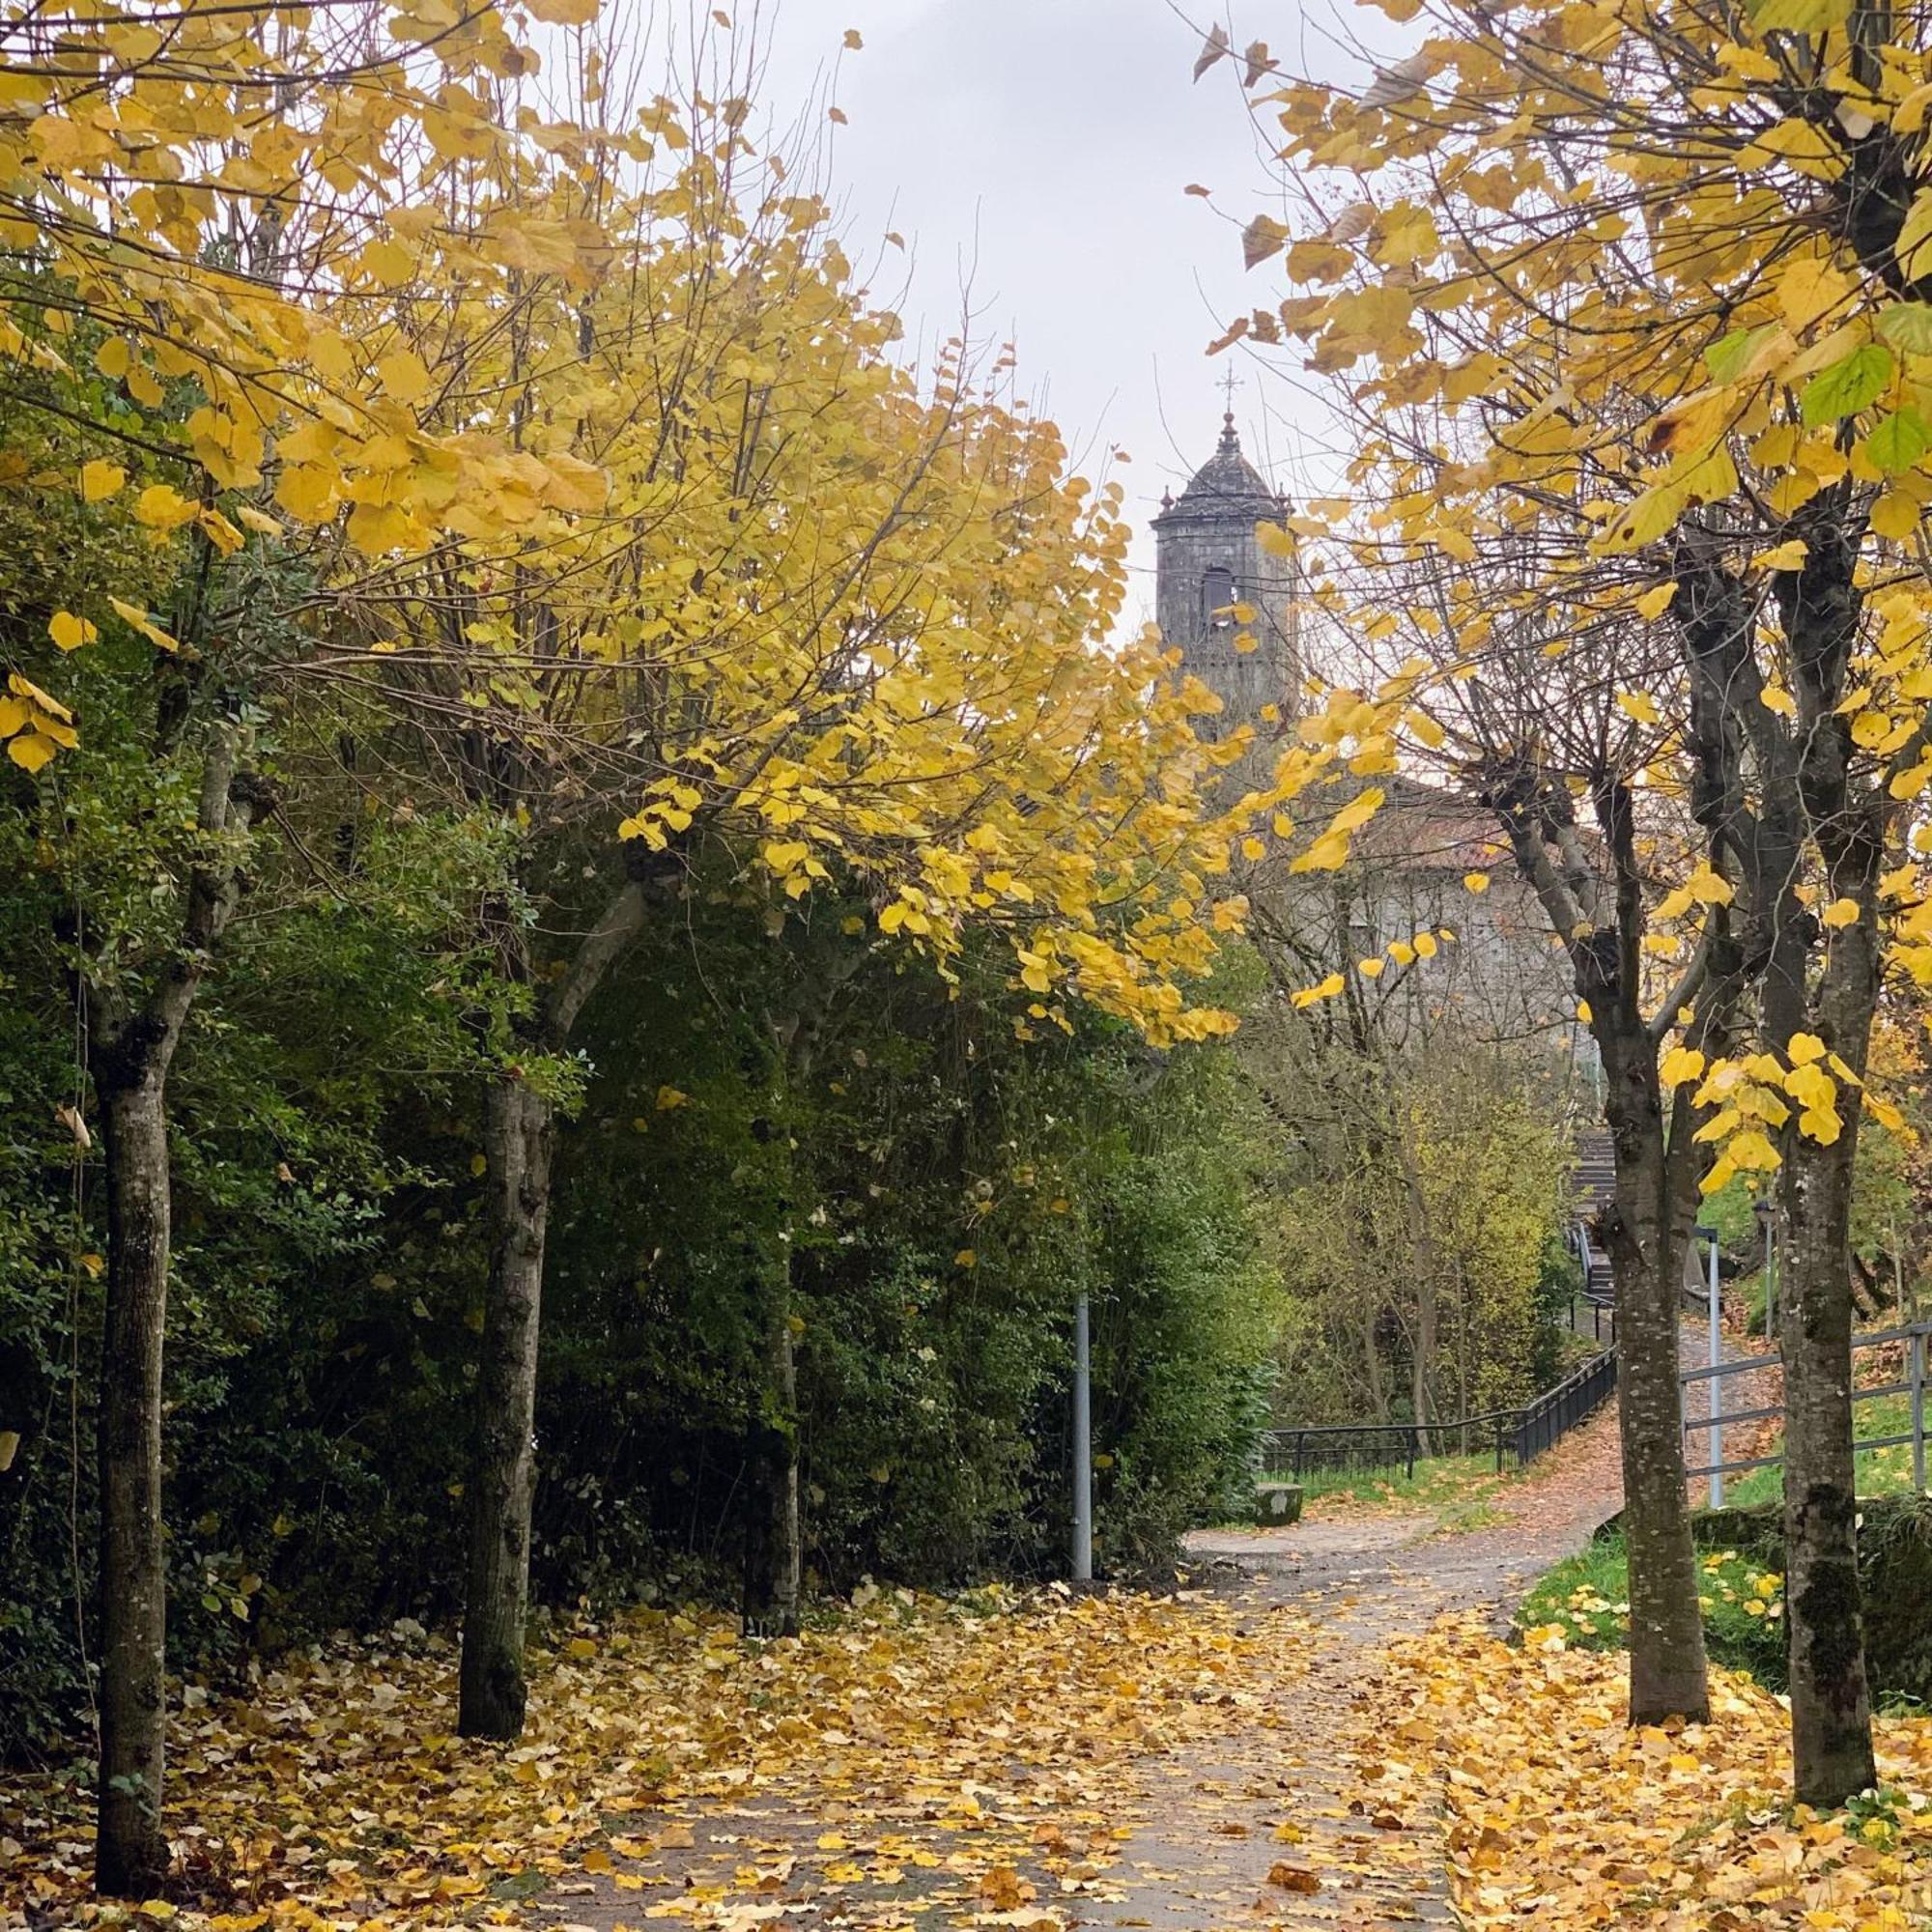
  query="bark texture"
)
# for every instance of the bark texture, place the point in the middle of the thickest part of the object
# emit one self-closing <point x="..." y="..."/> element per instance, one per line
<point x="1603" y="925"/>
<point x="131" y="1048"/>
<point x="131" y="1857"/>
<point x="1809" y="791"/>
<point x="1669" y="1676"/>
<point x="520" y="1133"/>
<point x="502" y="1485"/>
<point x="773" y="1551"/>
<point x="1830" y="1702"/>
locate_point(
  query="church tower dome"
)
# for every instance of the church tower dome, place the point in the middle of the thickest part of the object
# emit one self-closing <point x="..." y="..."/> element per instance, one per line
<point x="1207" y="562"/>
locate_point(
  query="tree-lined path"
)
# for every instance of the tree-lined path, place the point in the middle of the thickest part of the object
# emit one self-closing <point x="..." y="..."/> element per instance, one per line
<point x="1288" y="1813"/>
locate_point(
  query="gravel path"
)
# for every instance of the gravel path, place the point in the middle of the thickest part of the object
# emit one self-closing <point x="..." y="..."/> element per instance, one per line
<point x="1303" y="1824"/>
<point x="1295" y="1819"/>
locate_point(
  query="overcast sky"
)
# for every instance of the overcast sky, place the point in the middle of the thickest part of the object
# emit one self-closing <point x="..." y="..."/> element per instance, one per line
<point x="1038" y="151"/>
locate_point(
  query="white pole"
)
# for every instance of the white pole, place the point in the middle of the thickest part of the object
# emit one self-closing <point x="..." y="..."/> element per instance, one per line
<point x="1717" y="1386"/>
<point x="1918" y="1376"/>
<point x="1082" y="1447"/>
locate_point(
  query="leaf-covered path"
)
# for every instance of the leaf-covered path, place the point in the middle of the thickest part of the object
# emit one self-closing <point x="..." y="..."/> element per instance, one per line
<point x="1207" y="1759"/>
<point x="1278" y="1804"/>
<point x="1324" y="1730"/>
<point x="1324" y="1824"/>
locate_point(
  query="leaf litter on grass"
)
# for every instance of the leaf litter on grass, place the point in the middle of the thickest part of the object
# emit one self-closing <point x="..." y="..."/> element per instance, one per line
<point x="1561" y="1814"/>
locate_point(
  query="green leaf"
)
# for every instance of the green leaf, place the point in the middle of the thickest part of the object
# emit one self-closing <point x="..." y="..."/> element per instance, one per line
<point x="1908" y="325"/>
<point x="1797" y="16"/>
<point x="1899" y="441"/>
<point x="1729" y="358"/>
<point x="1848" y="386"/>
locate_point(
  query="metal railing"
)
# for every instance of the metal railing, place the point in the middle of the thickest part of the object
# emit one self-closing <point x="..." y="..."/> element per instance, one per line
<point x="1525" y="1432"/>
<point x="1596" y="1300"/>
<point x="1554" y="1413"/>
<point x="1913" y="1336"/>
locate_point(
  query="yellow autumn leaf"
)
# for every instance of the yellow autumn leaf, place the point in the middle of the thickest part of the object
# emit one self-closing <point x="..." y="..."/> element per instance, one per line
<point x="1680" y="1064"/>
<point x="31" y="751"/>
<point x="1327" y="989"/>
<point x="139" y="620"/>
<point x="100" y="481"/>
<point x="404" y="375"/>
<point x="162" y="507"/>
<point x="69" y="631"/>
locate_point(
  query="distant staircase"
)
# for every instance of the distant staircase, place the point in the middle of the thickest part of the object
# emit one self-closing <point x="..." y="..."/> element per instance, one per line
<point x="1594" y="1184"/>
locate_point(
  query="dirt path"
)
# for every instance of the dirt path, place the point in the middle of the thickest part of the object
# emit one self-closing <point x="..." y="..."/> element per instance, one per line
<point x="1307" y="1824"/>
<point x="1290" y="1816"/>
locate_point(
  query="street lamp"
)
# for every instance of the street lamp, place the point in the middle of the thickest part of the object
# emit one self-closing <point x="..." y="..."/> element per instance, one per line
<point x="1716" y="1312"/>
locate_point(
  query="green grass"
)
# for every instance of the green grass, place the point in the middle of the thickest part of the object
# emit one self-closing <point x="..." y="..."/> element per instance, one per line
<point x="1444" y="1486"/>
<point x="1881" y="1472"/>
<point x="1587" y="1600"/>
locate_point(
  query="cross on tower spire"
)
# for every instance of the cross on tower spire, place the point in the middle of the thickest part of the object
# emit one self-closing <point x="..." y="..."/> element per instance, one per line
<point x="1230" y="442"/>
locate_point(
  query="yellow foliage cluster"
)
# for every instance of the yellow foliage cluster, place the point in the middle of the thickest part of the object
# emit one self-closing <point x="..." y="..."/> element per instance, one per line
<point x="1646" y="325"/>
<point x="233" y="201"/>
<point x="603" y="459"/>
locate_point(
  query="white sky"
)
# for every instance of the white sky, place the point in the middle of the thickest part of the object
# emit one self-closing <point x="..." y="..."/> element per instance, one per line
<point x="1038" y="151"/>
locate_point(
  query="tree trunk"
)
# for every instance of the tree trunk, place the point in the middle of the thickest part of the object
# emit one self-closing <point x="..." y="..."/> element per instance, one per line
<point x="502" y="1478"/>
<point x="1809" y="790"/>
<point x="1372" y="1379"/>
<point x="1830" y="1702"/>
<point x="1668" y="1669"/>
<point x="131" y="1855"/>
<point x="518" y="1135"/>
<point x="129" y="1055"/>
<point x="1831" y="1706"/>
<point x="774" y="1557"/>
<point x="1424" y="1261"/>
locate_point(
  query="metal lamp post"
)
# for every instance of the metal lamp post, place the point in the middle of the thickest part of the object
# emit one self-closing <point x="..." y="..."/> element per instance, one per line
<point x="1709" y="1234"/>
<point x="1082" y="1447"/>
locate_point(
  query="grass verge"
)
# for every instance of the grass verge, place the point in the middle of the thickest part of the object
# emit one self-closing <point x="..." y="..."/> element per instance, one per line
<point x="1449" y="1488"/>
<point x="1881" y="1472"/>
<point x="1585" y="1599"/>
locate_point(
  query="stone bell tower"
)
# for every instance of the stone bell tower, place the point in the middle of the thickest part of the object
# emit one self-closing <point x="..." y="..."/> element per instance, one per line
<point x="1205" y="561"/>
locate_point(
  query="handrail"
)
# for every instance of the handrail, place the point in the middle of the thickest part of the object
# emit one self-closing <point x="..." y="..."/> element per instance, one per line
<point x="1915" y="1335"/>
<point x="1538" y="1425"/>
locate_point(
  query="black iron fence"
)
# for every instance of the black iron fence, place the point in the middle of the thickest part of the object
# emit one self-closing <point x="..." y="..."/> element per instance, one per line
<point x="1556" y="1412"/>
<point x="1523" y="1434"/>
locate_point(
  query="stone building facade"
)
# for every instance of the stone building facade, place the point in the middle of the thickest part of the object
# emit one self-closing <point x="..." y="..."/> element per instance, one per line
<point x="1207" y="560"/>
<point x="1501" y="971"/>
